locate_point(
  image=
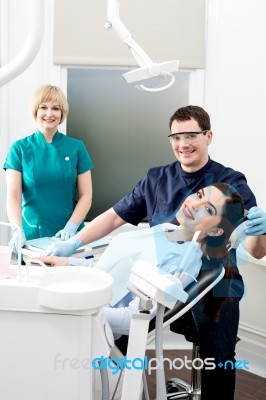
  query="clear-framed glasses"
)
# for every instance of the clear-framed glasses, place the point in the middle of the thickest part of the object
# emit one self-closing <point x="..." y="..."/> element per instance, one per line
<point x="188" y="137"/>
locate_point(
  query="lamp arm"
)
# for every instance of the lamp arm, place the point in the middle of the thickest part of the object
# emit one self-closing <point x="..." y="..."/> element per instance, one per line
<point x="31" y="45"/>
<point x="114" y="22"/>
<point x="148" y="69"/>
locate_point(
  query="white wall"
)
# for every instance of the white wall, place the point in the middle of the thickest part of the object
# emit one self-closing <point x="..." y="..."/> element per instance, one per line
<point x="235" y="96"/>
<point x="235" y="90"/>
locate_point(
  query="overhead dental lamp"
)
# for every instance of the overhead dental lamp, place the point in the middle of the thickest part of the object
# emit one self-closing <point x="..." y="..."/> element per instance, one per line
<point x="148" y="69"/>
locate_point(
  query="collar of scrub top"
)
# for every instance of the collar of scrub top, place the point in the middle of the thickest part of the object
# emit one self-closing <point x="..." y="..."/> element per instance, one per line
<point x="56" y="137"/>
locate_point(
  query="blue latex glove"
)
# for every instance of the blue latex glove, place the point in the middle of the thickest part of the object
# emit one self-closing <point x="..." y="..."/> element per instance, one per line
<point x="69" y="230"/>
<point x="13" y="243"/>
<point x="185" y="263"/>
<point x="256" y="222"/>
<point x="64" y="248"/>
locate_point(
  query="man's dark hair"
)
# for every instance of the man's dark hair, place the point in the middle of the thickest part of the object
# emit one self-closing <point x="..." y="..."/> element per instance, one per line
<point x="195" y="112"/>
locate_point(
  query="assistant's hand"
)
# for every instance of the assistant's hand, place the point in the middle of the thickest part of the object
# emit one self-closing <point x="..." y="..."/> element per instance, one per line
<point x="13" y="243"/>
<point x="256" y="222"/>
<point x="68" y="231"/>
<point x="64" y="248"/>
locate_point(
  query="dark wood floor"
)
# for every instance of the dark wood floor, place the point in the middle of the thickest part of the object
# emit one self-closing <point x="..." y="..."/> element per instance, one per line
<point x="248" y="386"/>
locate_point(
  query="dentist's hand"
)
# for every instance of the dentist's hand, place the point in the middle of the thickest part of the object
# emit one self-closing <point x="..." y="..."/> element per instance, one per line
<point x="256" y="222"/>
<point x="13" y="243"/>
<point x="68" y="231"/>
<point x="64" y="248"/>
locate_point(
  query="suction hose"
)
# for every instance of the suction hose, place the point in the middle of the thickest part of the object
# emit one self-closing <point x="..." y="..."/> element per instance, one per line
<point x="160" y="376"/>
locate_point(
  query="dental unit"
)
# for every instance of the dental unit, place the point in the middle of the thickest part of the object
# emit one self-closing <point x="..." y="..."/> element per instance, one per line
<point x="53" y="316"/>
<point x="45" y="314"/>
<point x="59" y="314"/>
<point x="49" y="323"/>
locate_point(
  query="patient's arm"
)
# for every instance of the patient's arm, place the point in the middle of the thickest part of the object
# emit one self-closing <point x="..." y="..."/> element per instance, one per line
<point x="54" y="261"/>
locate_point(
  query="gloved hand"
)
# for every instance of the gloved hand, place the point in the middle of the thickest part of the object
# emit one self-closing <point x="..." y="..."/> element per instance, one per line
<point x="185" y="262"/>
<point x="65" y="248"/>
<point x="69" y="230"/>
<point x="256" y="222"/>
<point x="13" y="243"/>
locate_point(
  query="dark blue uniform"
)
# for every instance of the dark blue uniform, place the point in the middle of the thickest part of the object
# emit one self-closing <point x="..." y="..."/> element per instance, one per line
<point x="160" y="194"/>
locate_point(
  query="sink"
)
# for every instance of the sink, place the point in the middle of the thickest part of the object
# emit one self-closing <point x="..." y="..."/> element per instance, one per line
<point x="78" y="290"/>
<point x="75" y="289"/>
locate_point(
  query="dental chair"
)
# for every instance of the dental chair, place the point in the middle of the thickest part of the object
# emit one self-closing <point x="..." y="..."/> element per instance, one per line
<point x="177" y="388"/>
<point x="181" y="321"/>
<point x="184" y="324"/>
<point x="206" y="280"/>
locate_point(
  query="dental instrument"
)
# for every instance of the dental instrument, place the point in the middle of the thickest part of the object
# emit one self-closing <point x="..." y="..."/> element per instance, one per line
<point x="148" y="69"/>
<point x="20" y="276"/>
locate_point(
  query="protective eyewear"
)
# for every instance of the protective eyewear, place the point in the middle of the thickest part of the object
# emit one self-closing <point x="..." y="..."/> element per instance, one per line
<point x="188" y="137"/>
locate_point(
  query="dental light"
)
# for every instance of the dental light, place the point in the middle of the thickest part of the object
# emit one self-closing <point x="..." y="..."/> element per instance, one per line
<point x="148" y="69"/>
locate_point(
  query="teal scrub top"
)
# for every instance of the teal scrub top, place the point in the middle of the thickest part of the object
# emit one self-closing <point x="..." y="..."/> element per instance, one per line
<point x="49" y="180"/>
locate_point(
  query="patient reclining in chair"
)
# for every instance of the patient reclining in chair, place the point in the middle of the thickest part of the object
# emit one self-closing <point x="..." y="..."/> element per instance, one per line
<point x="214" y="211"/>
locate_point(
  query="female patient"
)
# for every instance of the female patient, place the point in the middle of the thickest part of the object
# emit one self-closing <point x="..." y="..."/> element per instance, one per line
<point x="215" y="211"/>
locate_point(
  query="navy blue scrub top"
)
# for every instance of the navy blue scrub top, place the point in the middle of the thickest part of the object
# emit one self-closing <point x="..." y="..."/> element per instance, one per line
<point x="160" y="194"/>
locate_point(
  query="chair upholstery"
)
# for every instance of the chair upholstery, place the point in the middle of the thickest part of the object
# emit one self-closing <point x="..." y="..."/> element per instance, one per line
<point x="204" y="280"/>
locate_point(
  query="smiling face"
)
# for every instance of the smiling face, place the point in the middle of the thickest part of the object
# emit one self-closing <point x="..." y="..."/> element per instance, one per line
<point x="49" y="116"/>
<point x="202" y="211"/>
<point x="191" y="156"/>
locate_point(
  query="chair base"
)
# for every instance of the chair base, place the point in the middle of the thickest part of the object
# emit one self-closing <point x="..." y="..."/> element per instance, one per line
<point x="179" y="389"/>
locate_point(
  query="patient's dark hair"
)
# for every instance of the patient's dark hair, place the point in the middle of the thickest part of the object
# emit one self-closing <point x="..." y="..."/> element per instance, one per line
<point x="216" y="247"/>
<point x="232" y="216"/>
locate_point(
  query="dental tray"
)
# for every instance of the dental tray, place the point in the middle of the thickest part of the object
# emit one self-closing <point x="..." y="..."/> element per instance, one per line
<point x="40" y="244"/>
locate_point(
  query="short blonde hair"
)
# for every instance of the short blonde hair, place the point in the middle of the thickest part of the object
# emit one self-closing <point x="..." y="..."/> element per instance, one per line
<point x="47" y="93"/>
